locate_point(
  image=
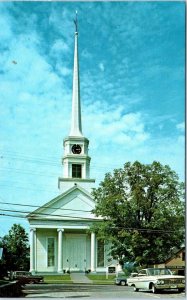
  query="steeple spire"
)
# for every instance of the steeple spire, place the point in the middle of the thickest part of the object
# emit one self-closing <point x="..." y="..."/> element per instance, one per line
<point x="76" y="161"/>
<point x="76" y="126"/>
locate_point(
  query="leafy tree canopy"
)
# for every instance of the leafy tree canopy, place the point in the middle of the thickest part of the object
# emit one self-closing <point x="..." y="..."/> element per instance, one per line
<point x="15" y="250"/>
<point x="143" y="211"/>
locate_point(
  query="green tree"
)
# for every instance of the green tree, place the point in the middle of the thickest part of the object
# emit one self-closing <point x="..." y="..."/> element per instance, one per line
<point x="143" y="211"/>
<point x="15" y="250"/>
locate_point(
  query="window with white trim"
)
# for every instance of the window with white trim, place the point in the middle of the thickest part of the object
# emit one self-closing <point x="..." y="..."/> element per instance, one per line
<point x="76" y="171"/>
<point x="100" y="253"/>
<point x="50" y="252"/>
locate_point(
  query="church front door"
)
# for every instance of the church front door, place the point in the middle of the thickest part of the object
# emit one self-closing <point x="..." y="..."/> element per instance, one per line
<point x="75" y="252"/>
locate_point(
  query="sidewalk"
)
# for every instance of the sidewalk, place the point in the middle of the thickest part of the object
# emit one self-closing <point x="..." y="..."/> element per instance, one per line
<point x="79" y="278"/>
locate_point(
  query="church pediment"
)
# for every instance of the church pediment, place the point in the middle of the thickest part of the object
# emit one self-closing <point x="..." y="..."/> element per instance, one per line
<point x="74" y="204"/>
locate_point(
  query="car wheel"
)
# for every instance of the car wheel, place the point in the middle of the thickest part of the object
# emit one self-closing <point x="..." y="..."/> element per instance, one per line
<point x="123" y="282"/>
<point x="181" y="290"/>
<point x="135" y="289"/>
<point x="153" y="288"/>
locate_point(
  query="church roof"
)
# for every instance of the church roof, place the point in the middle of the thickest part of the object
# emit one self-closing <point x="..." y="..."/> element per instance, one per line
<point x="75" y="203"/>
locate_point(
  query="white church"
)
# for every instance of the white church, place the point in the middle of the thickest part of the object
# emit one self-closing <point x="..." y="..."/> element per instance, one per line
<point x="60" y="236"/>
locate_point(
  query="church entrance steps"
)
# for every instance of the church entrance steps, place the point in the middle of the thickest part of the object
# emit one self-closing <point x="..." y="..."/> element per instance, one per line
<point x="79" y="278"/>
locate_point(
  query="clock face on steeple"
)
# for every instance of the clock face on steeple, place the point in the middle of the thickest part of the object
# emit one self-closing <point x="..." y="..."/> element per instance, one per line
<point x="76" y="149"/>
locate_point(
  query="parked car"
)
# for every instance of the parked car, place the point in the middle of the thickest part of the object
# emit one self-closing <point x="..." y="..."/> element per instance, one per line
<point x="121" y="279"/>
<point x="25" y="277"/>
<point x="156" y="279"/>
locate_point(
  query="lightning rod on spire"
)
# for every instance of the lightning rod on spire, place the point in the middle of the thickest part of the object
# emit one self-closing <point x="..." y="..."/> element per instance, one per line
<point x="76" y="22"/>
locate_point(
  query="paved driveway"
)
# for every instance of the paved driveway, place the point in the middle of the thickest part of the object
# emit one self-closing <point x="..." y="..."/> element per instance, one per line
<point x="91" y="291"/>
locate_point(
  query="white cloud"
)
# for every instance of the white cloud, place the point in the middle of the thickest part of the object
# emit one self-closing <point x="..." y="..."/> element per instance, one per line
<point x="31" y="94"/>
<point x="181" y="126"/>
<point x="59" y="45"/>
<point x="101" y="67"/>
<point x="112" y="124"/>
<point x="63" y="70"/>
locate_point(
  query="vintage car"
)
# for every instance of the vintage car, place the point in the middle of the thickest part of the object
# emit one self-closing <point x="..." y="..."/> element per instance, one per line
<point x="120" y="279"/>
<point x="156" y="279"/>
<point x="25" y="277"/>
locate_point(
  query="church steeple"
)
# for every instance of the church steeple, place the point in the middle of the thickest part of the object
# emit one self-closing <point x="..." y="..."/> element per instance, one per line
<point x="76" y="161"/>
<point x="76" y="124"/>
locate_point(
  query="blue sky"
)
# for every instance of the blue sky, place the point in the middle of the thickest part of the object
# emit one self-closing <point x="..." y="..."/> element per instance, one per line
<point x="132" y="66"/>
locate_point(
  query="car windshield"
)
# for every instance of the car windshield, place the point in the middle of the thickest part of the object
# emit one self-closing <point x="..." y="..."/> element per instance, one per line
<point x="23" y="273"/>
<point x="120" y="275"/>
<point x="158" y="271"/>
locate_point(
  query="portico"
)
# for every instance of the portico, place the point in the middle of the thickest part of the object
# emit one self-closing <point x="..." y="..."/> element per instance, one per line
<point x="74" y="249"/>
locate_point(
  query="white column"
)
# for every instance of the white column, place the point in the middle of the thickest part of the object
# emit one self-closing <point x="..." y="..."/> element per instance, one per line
<point x="60" y="258"/>
<point x="92" y="252"/>
<point x="32" y="249"/>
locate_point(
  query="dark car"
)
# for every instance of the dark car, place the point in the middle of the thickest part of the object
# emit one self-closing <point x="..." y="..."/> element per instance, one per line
<point x="121" y="279"/>
<point x="25" y="277"/>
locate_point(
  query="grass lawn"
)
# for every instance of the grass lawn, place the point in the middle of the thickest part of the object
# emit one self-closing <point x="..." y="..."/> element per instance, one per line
<point x="101" y="279"/>
<point x="57" y="278"/>
<point x="96" y="279"/>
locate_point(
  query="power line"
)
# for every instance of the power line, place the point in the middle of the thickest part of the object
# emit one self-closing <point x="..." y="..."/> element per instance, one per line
<point x="74" y="217"/>
<point x="14" y="216"/>
<point x="29" y="172"/>
<point x="43" y="206"/>
<point x="34" y="214"/>
<point x="44" y="174"/>
<point x="51" y="161"/>
<point x="149" y="230"/>
<point x="124" y="228"/>
<point x="19" y="156"/>
<point x="98" y="167"/>
<point x="28" y="188"/>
